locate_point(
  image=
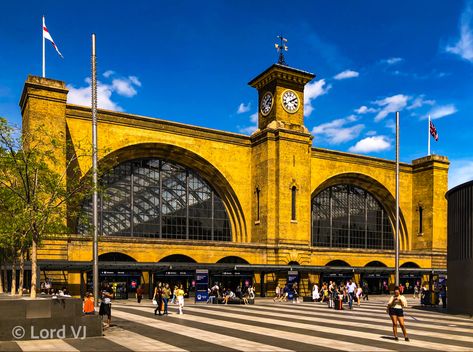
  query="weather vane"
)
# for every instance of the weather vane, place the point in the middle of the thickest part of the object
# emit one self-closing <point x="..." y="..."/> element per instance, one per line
<point x="281" y="48"/>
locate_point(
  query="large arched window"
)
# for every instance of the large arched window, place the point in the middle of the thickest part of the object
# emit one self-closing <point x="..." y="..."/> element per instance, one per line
<point x="160" y="199"/>
<point x="346" y="216"/>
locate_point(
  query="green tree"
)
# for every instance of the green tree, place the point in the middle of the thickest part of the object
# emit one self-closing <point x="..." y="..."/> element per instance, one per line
<point x="36" y="200"/>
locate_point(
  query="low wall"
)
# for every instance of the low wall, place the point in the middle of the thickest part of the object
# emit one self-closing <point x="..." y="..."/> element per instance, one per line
<point x="46" y="318"/>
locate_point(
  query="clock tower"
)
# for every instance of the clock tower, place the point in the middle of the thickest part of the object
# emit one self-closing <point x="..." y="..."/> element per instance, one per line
<point x="281" y="161"/>
<point x="281" y="97"/>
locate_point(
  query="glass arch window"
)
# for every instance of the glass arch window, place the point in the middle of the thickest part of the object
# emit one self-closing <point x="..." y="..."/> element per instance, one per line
<point x="159" y="199"/>
<point x="346" y="216"/>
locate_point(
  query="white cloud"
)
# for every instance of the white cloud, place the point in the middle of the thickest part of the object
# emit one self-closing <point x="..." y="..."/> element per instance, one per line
<point x="441" y="111"/>
<point x="464" y="45"/>
<point x="254" y="118"/>
<point x="335" y="132"/>
<point x="108" y="73"/>
<point x="460" y="172"/>
<point x="419" y="102"/>
<point x="392" y="60"/>
<point x="346" y="74"/>
<point x="121" y="86"/>
<point x="242" y="108"/>
<point x="371" y="144"/>
<point x="248" y="129"/>
<point x="124" y="87"/>
<point x="313" y="91"/>
<point x="253" y="127"/>
<point x="390" y="104"/>
<point x="364" y="109"/>
<point x="370" y="133"/>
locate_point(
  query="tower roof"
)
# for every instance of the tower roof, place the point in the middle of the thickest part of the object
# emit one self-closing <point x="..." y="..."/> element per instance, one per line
<point x="283" y="72"/>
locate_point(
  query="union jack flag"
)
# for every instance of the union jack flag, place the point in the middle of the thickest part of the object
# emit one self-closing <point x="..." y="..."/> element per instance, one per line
<point x="433" y="131"/>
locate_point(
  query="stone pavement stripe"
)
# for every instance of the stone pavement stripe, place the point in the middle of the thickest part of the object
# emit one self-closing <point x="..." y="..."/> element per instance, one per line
<point x="382" y="307"/>
<point x="171" y="338"/>
<point x="10" y="346"/>
<point x="332" y="339"/>
<point x="45" y="345"/>
<point x="360" y="325"/>
<point x="137" y="342"/>
<point x="225" y="328"/>
<point x="352" y="316"/>
<point x="96" y="344"/>
<point x="381" y="316"/>
<point x="244" y="324"/>
<point x="342" y="331"/>
<point x="220" y="339"/>
<point x="415" y="308"/>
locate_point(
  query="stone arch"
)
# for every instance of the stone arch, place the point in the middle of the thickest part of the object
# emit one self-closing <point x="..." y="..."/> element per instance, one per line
<point x="116" y="257"/>
<point x="193" y="161"/>
<point x="232" y="260"/>
<point x="338" y="262"/>
<point x="379" y="191"/>
<point x="177" y="258"/>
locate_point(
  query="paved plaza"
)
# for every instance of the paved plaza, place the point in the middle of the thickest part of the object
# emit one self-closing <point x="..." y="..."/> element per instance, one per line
<point x="266" y="326"/>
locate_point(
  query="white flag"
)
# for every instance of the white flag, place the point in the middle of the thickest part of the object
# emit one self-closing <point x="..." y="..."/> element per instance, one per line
<point x="47" y="36"/>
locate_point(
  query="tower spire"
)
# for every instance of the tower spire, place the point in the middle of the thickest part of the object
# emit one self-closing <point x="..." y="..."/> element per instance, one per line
<point x="281" y="48"/>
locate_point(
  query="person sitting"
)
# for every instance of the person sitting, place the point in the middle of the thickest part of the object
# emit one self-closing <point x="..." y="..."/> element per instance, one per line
<point x="89" y="306"/>
<point x="228" y="296"/>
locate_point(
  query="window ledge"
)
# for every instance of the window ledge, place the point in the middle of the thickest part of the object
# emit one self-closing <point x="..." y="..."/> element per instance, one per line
<point x="420" y="234"/>
<point x="257" y="222"/>
<point x="293" y="221"/>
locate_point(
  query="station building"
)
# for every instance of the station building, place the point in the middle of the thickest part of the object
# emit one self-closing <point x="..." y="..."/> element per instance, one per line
<point x="251" y="209"/>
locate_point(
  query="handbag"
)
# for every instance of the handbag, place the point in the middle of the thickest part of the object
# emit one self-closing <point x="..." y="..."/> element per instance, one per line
<point x="155" y="303"/>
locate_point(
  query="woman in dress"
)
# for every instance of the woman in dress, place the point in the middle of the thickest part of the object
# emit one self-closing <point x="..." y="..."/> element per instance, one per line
<point x="395" y="309"/>
<point x="315" y="293"/>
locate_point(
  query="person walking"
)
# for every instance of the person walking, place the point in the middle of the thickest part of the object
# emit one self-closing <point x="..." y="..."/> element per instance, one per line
<point x="315" y="293"/>
<point x="359" y="294"/>
<point x="158" y="297"/>
<point x="180" y="298"/>
<point x="166" y="296"/>
<point x="106" y="304"/>
<point x="139" y="293"/>
<point x="395" y="309"/>
<point x="351" y="287"/>
<point x="277" y="297"/>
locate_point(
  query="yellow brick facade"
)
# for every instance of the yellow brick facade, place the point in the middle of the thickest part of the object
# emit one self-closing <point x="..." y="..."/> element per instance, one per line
<point x="276" y="158"/>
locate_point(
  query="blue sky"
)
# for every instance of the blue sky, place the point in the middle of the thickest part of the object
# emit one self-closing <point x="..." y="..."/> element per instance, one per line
<point x="190" y="61"/>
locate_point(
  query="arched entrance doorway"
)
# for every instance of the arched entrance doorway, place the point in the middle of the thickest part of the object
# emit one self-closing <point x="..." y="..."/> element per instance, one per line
<point x="173" y="276"/>
<point x="376" y="280"/>
<point x="337" y="271"/>
<point x="123" y="279"/>
<point x="229" y="278"/>
<point x="410" y="278"/>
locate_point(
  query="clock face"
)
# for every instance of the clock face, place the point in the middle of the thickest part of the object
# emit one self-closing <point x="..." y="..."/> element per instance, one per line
<point x="290" y="101"/>
<point x="266" y="103"/>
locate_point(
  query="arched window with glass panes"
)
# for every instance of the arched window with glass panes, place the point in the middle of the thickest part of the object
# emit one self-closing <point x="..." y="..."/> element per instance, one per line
<point x="159" y="199"/>
<point x="347" y="216"/>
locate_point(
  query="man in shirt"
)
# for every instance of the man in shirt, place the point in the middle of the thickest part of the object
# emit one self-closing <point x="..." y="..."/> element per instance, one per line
<point x="351" y="293"/>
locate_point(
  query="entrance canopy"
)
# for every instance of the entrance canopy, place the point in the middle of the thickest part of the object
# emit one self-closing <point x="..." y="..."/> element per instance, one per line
<point x="81" y="266"/>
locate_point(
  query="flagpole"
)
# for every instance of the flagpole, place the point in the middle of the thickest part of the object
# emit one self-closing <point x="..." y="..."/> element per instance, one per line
<point x="44" y="52"/>
<point x="397" y="199"/>
<point x="428" y="136"/>
<point x="94" y="173"/>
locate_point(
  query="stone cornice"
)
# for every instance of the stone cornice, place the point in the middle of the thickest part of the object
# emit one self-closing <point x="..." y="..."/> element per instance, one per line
<point x="155" y="124"/>
<point x="327" y="154"/>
